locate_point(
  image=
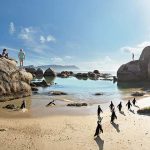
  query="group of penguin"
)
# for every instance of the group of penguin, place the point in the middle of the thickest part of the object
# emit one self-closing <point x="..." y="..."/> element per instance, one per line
<point x="99" y="128"/>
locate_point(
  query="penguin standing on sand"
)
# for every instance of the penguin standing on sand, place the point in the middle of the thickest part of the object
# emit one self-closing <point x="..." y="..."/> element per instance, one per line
<point x="129" y="105"/>
<point x="119" y="106"/>
<point x="111" y="106"/>
<point x="113" y="116"/>
<point x="99" y="110"/>
<point x="23" y="105"/>
<point x="98" y="129"/>
<point x="134" y="101"/>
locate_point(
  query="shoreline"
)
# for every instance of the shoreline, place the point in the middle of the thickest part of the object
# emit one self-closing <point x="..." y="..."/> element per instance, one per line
<point x="61" y="109"/>
<point x="76" y="132"/>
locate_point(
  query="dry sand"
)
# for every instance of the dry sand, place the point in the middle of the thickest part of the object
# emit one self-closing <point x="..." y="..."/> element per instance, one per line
<point x="130" y="132"/>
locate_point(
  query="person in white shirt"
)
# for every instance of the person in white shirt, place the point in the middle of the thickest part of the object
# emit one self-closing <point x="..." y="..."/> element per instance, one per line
<point x="21" y="56"/>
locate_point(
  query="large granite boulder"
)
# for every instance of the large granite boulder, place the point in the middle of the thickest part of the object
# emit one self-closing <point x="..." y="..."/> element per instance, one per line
<point x="138" y="70"/>
<point x="132" y="71"/>
<point x="31" y="70"/>
<point x="39" y="72"/>
<point x="96" y="72"/>
<point x="49" y="73"/>
<point x="14" y="82"/>
<point x="145" y="55"/>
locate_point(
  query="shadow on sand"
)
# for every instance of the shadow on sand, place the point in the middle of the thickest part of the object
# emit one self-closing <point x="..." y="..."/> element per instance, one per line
<point x="132" y="111"/>
<point x="116" y="126"/>
<point x="136" y="106"/>
<point x="122" y="112"/>
<point x="99" y="142"/>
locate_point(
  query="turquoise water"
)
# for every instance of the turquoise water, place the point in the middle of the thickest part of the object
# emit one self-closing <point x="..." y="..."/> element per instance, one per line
<point x="78" y="91"/>
<point x="84" y="90"/>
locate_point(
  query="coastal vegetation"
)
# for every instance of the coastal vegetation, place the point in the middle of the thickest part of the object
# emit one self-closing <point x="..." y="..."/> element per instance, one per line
<point x="145" y="110"/>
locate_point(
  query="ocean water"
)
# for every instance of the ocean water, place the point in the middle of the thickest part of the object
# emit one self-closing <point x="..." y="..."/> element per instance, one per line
<point x="78" y="91"/>
<point x="84" y="90"/>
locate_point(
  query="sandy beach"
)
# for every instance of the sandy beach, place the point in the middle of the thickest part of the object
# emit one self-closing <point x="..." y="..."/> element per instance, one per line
<point x="129" y="132"/>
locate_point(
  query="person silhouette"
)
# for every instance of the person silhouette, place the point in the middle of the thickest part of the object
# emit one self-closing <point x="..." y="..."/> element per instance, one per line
<point x="99" y="110"/>
<point x="4" y="53"/>
<point x="98" y="129"/>
<point x="21" y="56"/>
<point x="120" y="106"/>
<point x="111" y="106"/>
<point x="113" y="116"/>
<point x="129" y="105"/>
<point x="134" y="101"/>
<point x="23" y="105"/>
<point x="133" y="56"/>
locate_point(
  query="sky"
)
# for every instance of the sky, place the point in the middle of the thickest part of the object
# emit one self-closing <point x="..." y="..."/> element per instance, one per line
<point x="91" y="34"/>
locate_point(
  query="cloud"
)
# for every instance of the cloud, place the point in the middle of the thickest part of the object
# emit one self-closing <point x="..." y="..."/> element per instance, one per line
<point x="35" y="41"/>
<point x="104" y="64"/>
<point x="47" y="39"/>
<point x="11" y="28"/>
<point x="27" y="34"/>
<point x="67" y="57"/>
<point x="50" y="38"/>
<point x="42" y="39"/>
<point x="136" y="49"/>
<point x="57" y="60"/>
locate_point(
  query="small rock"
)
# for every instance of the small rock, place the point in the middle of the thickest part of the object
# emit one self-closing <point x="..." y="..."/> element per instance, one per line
<point x="10" y="106"/>
<point x="57" y="93"/>
<point x="77" y="104"/>
<point x="138" y="94"/>
<point x="34" y="89"/>
<point x="98" y="93"/>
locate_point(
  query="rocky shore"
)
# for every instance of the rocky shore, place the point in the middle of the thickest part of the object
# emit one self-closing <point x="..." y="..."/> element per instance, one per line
<point x="14" y="82"/>
<point x="137" y="70"/>
<point x="95" y="75"/>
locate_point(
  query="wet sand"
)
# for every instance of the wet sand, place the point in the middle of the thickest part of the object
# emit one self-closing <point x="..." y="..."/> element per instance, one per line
<point x="130" y="131"/>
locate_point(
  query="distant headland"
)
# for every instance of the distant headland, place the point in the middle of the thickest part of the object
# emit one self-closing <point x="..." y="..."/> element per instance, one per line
<point x="56" y="67"/>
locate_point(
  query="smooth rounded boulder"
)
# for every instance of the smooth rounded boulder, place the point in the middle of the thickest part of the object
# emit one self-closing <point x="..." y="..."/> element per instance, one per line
<point x="132" y="71"/>
<point x="138" y="70"/>
<point x="39" y="72"/>
<point x="49" y="73"/>
<point x="14" y="82"/>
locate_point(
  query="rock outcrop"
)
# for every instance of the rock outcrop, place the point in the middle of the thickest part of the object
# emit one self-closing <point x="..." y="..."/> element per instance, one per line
<point x="14" y="82"/>
<point x="31" y="70"/>
<point x="77" y="104"/>
<point x="96" y="72"/>
<point x="52" y="93"/>
<point x="65" y="74"/>
<point x="49" y="73"/>
<point x="138" y="70"/>
<point x="39" y="72"/>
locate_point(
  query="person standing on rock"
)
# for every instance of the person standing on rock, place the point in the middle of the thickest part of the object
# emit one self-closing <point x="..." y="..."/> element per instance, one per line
<point x="98" y="129"/>
<point x="133" y="56"/>
<point x="129" y="105"/>
<point x="99" y="110"/>
<point x="21" y="56"/>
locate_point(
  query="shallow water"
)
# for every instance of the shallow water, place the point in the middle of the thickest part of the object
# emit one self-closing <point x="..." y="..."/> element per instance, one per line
<point x="78" y="91"/>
